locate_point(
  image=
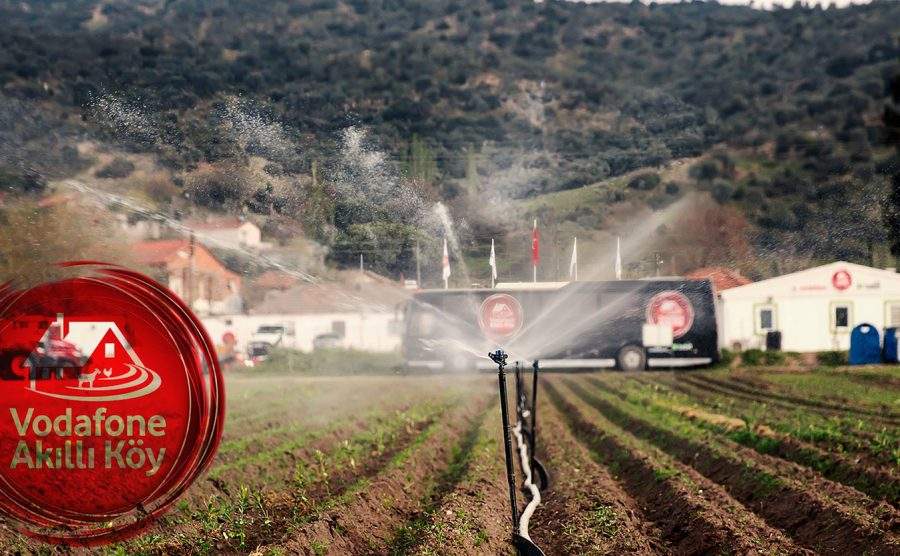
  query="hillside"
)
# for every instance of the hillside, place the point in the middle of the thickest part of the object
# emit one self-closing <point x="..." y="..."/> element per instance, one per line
<point x="470" y="102"/>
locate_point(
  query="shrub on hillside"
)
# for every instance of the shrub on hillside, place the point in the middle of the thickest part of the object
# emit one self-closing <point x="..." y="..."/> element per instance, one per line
<point x="117" y="169"/>
<point x="645" y="181"/>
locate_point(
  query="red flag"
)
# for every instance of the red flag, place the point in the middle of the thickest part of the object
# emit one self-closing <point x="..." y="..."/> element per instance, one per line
<point x="535" y="245"/>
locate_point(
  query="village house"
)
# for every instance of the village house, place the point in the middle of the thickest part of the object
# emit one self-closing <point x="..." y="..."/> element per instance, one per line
<point x="357" y="310"/>
<point x="227" y="231"/>
<point x="193" y="273"/>
<point x="814" y="309"/>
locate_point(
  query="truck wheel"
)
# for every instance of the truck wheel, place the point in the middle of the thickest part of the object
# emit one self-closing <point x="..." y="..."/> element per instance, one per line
<point x="631" y="358"/>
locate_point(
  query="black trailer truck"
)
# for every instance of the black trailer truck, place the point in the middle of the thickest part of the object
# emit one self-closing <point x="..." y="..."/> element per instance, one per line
<point x="628" y="324"/>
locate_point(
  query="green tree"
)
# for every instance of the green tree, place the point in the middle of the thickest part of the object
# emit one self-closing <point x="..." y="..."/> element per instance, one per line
<point x="891" y="209"/>
<point x="421" y="164"/>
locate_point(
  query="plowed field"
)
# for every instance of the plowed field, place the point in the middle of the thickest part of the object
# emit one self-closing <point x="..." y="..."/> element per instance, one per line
<point x="701" y="462"/>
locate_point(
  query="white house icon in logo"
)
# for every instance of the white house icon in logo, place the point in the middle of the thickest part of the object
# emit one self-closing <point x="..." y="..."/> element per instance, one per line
<point x="92" y="361"/>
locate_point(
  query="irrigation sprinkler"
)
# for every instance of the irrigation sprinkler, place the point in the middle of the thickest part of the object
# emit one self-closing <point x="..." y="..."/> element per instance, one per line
<point x="499" y="357"/>
<point x="522" y="542"/>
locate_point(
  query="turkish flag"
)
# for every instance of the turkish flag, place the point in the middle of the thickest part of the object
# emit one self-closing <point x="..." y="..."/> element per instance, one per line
<point x="535" y="245"/>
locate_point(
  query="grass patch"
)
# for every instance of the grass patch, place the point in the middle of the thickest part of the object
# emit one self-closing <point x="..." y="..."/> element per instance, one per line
<point x="326" y="362"/>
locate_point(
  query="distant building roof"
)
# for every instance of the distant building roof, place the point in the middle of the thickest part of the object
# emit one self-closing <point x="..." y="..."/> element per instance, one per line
<point x="159" y="252"/>
<point x="275" y="280"/>
<point x="56" y="199"/>
<point x="216" y="223"/>
<point x="175" y="253"/>
<point x="721" y="277"/>
<point x="352" y="291"/>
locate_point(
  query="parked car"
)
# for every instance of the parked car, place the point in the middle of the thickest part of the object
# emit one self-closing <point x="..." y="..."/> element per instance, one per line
<point x="327" y="341"/>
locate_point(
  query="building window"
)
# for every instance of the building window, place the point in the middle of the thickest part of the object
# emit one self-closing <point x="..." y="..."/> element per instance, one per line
<point x="841" y="316"/>
<point x="339" y="327"/>
<point x="892" y="314"/>
<point x="765" y="318"/>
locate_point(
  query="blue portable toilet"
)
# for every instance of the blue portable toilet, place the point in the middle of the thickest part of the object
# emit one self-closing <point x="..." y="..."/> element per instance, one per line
<point x="865" y="345"/>
<point x="889" y="353"/>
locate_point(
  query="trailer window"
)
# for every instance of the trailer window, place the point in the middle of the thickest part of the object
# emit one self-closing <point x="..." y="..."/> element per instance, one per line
<point x="841" y="315"/>
<point x="765" y="318"/>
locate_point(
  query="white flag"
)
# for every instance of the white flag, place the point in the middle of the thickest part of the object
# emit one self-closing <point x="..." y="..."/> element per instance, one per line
<point x="445" y="266"/>
<point x="493" y="262"/>
<point x="573" y="264"/>
<point x="618" y="258"/>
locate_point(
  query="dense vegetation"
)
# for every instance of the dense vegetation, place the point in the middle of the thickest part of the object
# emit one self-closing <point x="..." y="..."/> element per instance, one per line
<point x="467" y="98"/>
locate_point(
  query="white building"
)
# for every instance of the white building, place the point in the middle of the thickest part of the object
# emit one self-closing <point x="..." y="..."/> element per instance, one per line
<point x="229" y="232"/>
<point x="360" y="310"/>
<point x="815" y="309"/>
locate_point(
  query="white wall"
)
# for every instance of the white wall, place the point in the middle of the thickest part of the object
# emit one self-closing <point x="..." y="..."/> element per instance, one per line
<point x="804" y="303"/>
<point x="370" y="331"/>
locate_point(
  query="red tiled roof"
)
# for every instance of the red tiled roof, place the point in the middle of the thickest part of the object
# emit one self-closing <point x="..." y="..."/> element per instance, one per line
<point x="215" y="223"/>
<point x="721" y="277"/>
<point x="353" y="291"/>
<point x="55" y="199"/>
<point x="158" y="252"/>
<point x="275" y="280"/>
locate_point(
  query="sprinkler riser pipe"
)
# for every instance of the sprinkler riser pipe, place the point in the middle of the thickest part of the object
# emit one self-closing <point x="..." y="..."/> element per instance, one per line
<point x="507" y="446"/>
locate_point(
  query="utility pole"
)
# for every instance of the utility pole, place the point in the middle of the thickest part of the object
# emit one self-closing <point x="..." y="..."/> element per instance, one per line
<point x="418" y="266"/>
<point x="189" y="287"/>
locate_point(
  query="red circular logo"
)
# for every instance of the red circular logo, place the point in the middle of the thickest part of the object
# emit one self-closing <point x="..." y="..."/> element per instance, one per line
<point x="672" y="308"/>
<point x="841" y="280"/>
<point x="112" y="404"/>
<point x="501" y="316"/>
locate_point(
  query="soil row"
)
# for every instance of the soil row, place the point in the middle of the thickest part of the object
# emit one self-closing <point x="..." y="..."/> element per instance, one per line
<point x="472" y="517"/>
<point x="297" y="481"/>
<point x="692" y="514"/>
<point x="370" y="518"/>
<point x="817" y="513"/>
<point x="585" y="511"/>
<point x="881" y="483"/>
<point x="862" y="443"/>
<point x="738" y="388"/>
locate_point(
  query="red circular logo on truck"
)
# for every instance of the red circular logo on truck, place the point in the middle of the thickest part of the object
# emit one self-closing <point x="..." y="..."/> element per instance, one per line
<point x="501" y="316"/>
<point x="672" y="308"/>
<point x="841" y="280"/>
<point x="112" y="404"/>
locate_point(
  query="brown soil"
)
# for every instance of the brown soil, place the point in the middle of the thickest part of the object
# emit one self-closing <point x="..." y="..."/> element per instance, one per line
<point x="693" y="515"/>
<point x="474" y="517"/>
<point x="285" y="505"/>
<point x="881" y="483"/>
<point x="369" y="521"/>
<point x="759" y="392"/>
<point x="822" y="515"/>
<point x="713" y="396"/>
<point x="585" y="511"/>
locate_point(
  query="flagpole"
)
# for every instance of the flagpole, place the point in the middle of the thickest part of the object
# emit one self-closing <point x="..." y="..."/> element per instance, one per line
<point x="535" y="246"/>
<point x="492" y="262"/>
<point x="445" y="266"/>
<point x="618" y="258"/>
<point x="575" y="256"/>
